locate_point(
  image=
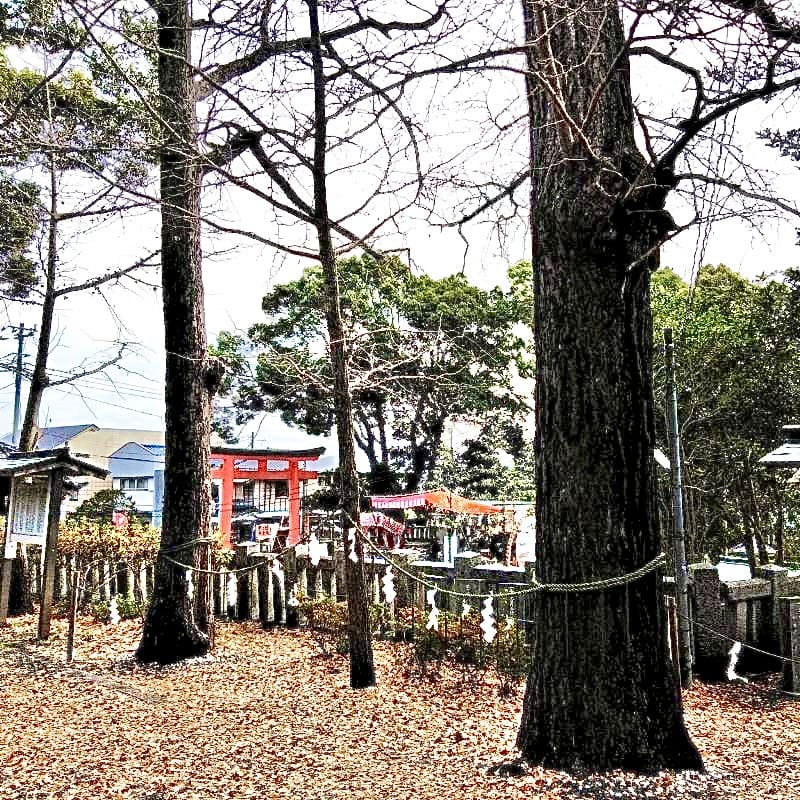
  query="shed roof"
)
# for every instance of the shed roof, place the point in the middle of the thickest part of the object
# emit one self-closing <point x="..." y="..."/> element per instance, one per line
<point x="441" y="499"/>
<point x="270" y="452"/>
<point x="18" y="464"/>
<point x="788" y="454"/>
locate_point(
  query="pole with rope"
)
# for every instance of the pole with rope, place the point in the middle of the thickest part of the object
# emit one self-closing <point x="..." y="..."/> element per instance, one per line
<point x="678" y="531"/>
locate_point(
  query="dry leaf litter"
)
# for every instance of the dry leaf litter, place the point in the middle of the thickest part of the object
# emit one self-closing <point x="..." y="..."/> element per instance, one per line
<point x="266" y="716"/>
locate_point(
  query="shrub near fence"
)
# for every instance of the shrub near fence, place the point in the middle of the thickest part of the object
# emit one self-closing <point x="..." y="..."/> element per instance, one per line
<point x="110" y="562"/>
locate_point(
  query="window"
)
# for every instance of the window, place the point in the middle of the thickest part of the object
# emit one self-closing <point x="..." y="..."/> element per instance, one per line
<point x="281" y="488"/>
<point x="128" y="484"/>
<point x="243" y="491"/>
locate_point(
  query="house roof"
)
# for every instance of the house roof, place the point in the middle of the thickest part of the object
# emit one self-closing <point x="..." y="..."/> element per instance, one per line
<point x="56" y="436"/>
<point x="20" y="464"/>
<point x="788" y="454"/>
<point x="155" y="450"/>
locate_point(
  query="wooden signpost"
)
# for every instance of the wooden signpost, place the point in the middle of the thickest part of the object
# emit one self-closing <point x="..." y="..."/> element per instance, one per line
<point x="37" y="489"/>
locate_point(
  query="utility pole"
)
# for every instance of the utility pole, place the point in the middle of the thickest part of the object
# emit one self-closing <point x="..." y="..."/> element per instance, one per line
<point x="21" y="333"/>
<point x="678" y="532"/>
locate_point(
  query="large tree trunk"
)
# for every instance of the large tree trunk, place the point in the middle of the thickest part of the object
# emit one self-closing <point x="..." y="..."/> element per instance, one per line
<point x="362" y="668"/>
<point x="600" y="692"/>
<point x="172" y="631"/>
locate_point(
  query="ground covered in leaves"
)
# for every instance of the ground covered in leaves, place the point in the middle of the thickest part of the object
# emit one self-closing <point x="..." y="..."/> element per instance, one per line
<point x="267" y="717"/>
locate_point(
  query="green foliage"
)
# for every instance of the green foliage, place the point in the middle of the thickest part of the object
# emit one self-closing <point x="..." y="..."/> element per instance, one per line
<point x="423" y="352"/>
<point x="19" y="220"/>
<point x="70" y="122"/>
<point x="100" y="506"/>
<point x="327" y="621"/>
<point x="85" y="112"/>
<point x="230" y="349"/>
<point x="459" y="641"/>
<point x="497" y="464"/>
<point x="737" y="349"/>
<point x="128" y="607"/>
<point x="89" y="540"/>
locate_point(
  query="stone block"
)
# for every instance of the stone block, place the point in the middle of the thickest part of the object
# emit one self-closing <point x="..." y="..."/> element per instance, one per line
<point x="790" y="611"/>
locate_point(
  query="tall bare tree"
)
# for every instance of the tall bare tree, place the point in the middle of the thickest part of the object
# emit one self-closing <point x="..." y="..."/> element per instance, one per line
<point x="176" y="627"/>
<point x="325" y="118"/>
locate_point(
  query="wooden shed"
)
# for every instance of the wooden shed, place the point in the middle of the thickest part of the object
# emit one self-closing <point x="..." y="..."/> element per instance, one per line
<point x="31" y="491"/>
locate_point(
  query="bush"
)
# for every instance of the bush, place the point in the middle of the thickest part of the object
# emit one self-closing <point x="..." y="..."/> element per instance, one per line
<point x="327" y="621"/>
<point x="460" y="642"/>
<point x="513" y="657"/>
<point x="128" y="607"/>
<point x="89" y="540"/>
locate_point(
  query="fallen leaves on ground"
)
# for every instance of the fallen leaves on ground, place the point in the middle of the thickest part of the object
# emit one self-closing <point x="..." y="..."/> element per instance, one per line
<point x="266" y="717"/>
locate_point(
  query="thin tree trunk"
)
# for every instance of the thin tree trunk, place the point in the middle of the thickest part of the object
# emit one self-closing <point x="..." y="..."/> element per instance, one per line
<point x="749" y="533"/>
<point x="172" y="630"/>
<point x="367" y="442"/>
<point x="758" y="527"/>
<point x="380" y="416"/>
<point x="39" y="380"/>
<point x="362" y="669"/>
<point x="20" y="596"/>
<point x="600" y="692"/>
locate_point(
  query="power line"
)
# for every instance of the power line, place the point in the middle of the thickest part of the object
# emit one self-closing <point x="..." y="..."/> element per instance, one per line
<point x="115" y="405"/>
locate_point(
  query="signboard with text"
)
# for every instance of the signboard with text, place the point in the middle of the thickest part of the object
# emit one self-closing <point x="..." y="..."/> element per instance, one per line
<point x="30" y="502"/>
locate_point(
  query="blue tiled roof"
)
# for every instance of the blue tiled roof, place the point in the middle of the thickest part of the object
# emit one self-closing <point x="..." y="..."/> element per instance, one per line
<point x="155" y="449"/>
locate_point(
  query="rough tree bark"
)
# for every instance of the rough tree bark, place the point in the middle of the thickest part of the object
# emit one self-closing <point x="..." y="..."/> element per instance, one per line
<point x="600" y="692"/>
<point x="362" y="668"/>
<point x="173" y="630"/>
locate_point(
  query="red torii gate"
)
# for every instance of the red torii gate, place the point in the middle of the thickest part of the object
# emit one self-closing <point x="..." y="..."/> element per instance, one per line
<point x="271" y="465"/>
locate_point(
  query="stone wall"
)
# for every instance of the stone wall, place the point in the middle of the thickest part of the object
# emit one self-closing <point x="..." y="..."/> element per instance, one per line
<point x="747" y="611"/>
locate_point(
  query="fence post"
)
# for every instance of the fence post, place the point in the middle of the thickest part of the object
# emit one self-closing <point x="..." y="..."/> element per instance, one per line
<point x="63" y="585"/>
<point x="51" y="552"/>
<point x="279" y="595"/>
<point x="265" y="604"/>
<point x="711" y="652"/>
<point x="103" y="582"/>
<point x="772" y="634"/>
<point x="143" y="582"/>
<point x="73" y="615"/>
<point x="790" y="608"/>
<point x="334" y="587"/>
<point x="231" y="593"/>
<point x="252" y="588"/>
<point x="318" y="590"/>
<point x="674" y="649"/>
<point x="270" y="593"/>
<point x="5" y="586"/>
